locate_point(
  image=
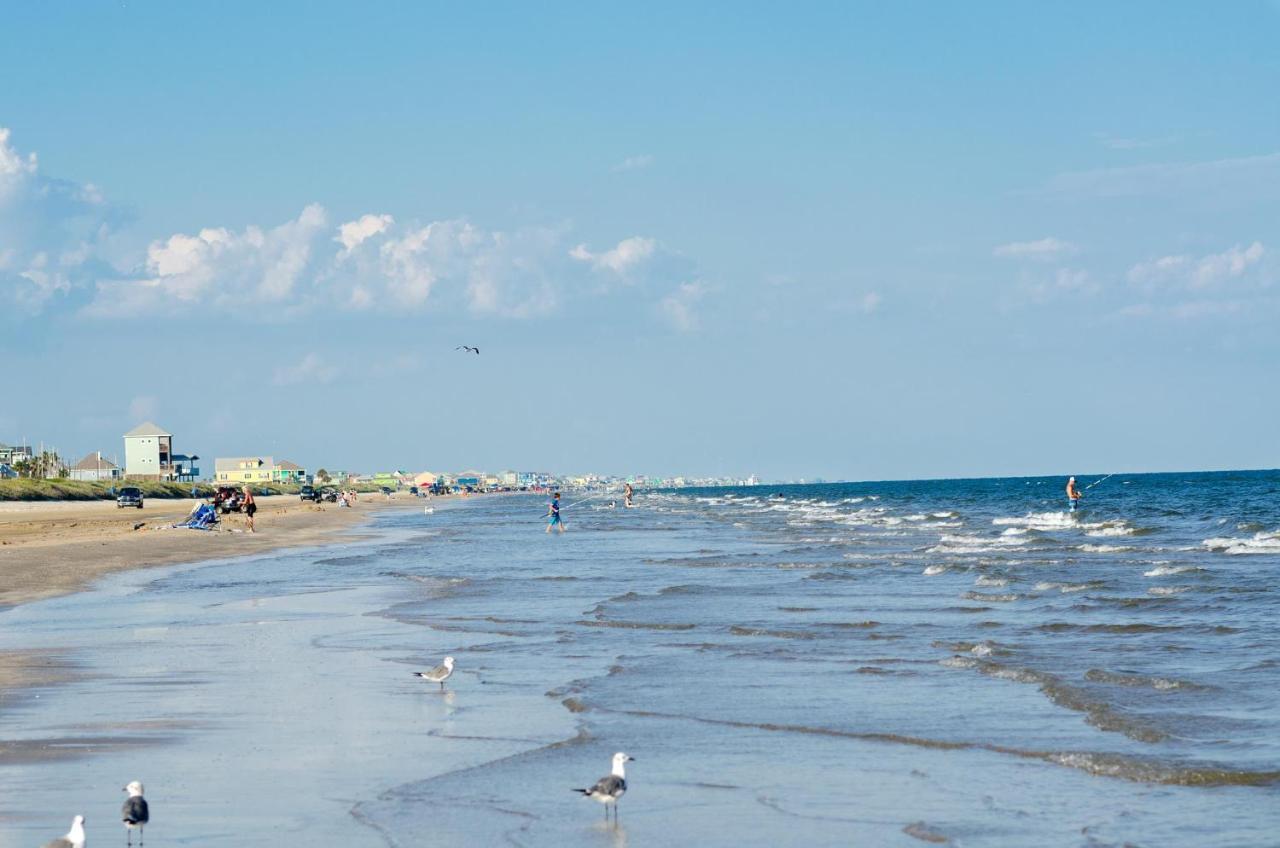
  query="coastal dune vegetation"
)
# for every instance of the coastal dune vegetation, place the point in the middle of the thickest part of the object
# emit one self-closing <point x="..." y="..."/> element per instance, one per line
<point x="85" y="490"/>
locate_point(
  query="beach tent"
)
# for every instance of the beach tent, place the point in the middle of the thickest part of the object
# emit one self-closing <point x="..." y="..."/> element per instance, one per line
<point x="203" y="517"/>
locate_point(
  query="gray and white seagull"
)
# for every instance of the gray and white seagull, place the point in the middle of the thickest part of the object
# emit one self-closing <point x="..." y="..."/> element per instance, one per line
<point x="135" y="812"/>
<point x="612" y="786"/>
<point x="74" y="837"/>
<point x="439" y="674"/>
<point x="468" y="349"/>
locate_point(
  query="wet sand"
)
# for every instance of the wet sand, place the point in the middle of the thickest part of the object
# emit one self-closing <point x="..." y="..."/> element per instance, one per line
<point x="258" y="696"/>
<point x="54" y="548"/>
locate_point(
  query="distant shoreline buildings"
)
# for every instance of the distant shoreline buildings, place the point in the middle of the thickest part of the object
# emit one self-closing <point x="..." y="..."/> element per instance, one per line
<point x="149" y="455"/>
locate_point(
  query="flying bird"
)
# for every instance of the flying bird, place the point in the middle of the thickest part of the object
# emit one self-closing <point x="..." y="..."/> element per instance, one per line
<point x="135" y="812"/>
<point x="74" y="837"/>
<point x="611" y="787"/>
<point x="439" y="674"/>
<point x="469" y="349"/>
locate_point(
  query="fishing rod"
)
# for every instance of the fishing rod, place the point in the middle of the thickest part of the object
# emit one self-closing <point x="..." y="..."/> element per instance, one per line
<point x="1096" y="482"/>
<point x="584" y="500"/>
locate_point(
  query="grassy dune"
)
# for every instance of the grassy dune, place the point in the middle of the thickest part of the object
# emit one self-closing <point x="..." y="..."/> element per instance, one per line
<point x="82" y="490"/>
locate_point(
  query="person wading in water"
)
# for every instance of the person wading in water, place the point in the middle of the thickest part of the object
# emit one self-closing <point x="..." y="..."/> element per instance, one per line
<point x="1073" y="494"/>
<point x="553" y="514"/>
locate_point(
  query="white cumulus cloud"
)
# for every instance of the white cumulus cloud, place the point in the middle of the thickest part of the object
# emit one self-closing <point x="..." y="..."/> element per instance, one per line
<point x="410" y="263"/>
<point x="353" y="233"/>
<point x="626" y="255"/>
<point x="48" y="231"/>
<point x="13" y="165"/>
<point x="221" y="268"/>
<point x="58" y="250"/>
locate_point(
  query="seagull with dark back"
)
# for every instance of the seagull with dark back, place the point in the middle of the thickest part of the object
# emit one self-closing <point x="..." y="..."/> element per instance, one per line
<point x="612" y="786"/>
<point x="135" y="812"/>
<point x="468" y="349"/>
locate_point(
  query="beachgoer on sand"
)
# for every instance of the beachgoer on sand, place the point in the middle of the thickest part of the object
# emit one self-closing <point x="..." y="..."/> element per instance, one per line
<point x="553" y="514"/>
<point x="250" y="507"/>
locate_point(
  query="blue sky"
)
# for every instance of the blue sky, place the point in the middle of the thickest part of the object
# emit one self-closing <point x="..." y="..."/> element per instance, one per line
<point x="859" y="241"/>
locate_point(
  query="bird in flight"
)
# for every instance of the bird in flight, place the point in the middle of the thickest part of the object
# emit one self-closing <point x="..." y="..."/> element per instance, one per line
<point x="469" y="349"/>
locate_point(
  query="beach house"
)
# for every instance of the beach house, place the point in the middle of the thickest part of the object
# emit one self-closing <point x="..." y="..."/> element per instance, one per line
<point x="257" y="469"/>
<point x="469" y="479"/>
<point x="95" y="466"/>
<point x="390" y="479"/>
<point x="9" y="454"/>
<point x="148" y="453"/>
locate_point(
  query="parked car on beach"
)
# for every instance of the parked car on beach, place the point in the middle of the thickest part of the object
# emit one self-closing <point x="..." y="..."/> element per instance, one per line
<point x="309" y="493"/>
<point x="129" y="496"/>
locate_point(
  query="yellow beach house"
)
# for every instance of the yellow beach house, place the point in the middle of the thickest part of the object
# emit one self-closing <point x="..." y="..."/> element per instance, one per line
<point x="257" y="469"/>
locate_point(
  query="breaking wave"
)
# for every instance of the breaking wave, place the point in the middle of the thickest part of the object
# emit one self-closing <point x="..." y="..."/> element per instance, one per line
<point x="1259" y="543"/>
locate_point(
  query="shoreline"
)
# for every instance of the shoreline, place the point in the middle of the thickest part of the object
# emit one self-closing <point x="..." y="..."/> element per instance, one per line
<point x="217" y="653"/>
<point x="48" y="549"/>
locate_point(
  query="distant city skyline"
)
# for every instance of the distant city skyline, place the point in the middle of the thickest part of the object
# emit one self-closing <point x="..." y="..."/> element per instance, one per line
<point x="842" y="240"/>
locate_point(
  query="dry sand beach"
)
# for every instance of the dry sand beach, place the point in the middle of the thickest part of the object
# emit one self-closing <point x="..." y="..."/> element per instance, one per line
<point x="50" y="548"/>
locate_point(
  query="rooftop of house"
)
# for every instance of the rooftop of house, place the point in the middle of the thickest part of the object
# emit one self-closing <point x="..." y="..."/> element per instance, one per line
<point x="147" y="428"/>
<point x="94" y="461"/>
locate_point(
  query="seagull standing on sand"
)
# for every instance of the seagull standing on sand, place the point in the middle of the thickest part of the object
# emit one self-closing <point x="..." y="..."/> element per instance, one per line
<point x="135" y="812"/>
<point x="74" y="837"/>
<point x="611" y="787"/>
<point x="468" y="349"/>
<point x="439" y="674"/>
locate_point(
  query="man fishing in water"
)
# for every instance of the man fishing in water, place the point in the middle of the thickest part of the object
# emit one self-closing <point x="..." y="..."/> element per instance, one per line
<point x="1073" y="494"/>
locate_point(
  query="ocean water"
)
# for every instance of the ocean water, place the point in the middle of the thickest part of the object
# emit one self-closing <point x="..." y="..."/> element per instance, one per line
<point x="957" y="662"/>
